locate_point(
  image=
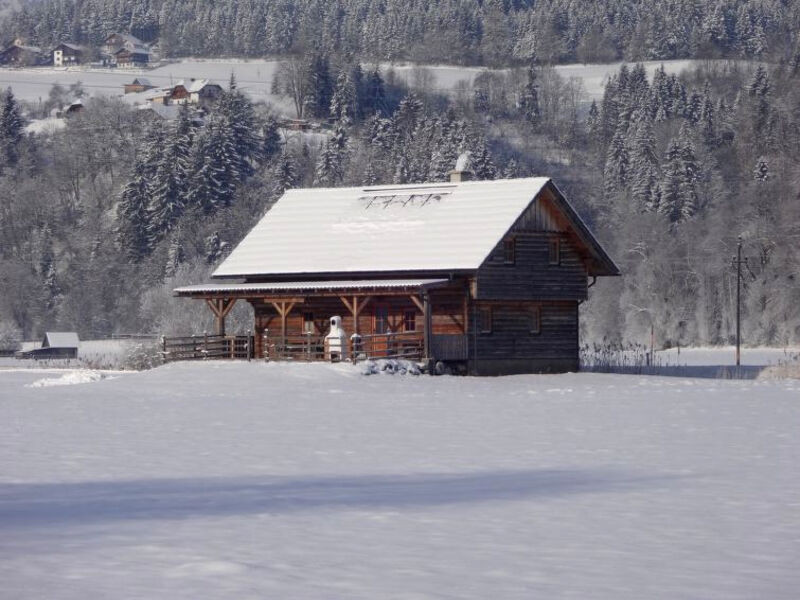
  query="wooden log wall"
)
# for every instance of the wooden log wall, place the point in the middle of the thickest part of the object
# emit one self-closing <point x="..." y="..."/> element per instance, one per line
<point x="531" y="276"/>
<point x="511" y="336"/>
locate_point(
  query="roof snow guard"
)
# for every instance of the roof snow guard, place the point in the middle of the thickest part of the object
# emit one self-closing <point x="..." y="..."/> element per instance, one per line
<point x="245" y="289"/>
<point x="424" y="228"/>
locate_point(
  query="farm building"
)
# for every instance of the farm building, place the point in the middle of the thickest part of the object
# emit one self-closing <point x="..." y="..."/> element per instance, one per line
<point x="140" y="84"/>
<point x="483" y="276"/>
<point x="18" y="54"/>
<point x="129" y="59"/>
<point x="56" y="344"/>
<point x="65" y="55"/>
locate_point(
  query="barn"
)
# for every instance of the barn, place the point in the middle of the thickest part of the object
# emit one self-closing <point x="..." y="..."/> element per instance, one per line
<point x="481" y="276"/>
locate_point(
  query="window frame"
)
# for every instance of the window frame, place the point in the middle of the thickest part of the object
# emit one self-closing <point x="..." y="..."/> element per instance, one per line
<point x="409" y="317"/>
<point x="385" y="317"/>
<point x="307" y="321"/>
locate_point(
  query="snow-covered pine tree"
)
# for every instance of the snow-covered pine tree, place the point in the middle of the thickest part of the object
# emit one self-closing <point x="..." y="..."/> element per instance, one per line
<point x="616" y="174"/>
<point x="12" y="126"/>
<point x="332" y="161"/>
<point x="237" y="116"/>
<point x="690" y="204"/>
<point x="133" y="214"/>
<point x="670" y="204"/>
<point x="344" y="98"/>
<point x="175" y="254"/>
<point x="644" y="166"/>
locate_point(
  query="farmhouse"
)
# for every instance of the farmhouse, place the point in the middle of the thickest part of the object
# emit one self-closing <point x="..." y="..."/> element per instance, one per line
<point x="128" y="59"/>
<point x="65" y="55"/>
<point x="483" y="276"/>
<point x="20" y="55"/>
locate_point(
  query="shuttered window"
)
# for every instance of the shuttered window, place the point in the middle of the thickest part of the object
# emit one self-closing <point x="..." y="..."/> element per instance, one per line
<point x="484" y="320"/>
<point x="555" y="251"/>
<point x="535" y="316"/>
<point x="509" y="251"/>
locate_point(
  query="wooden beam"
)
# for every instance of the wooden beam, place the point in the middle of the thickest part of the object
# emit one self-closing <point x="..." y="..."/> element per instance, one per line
<point x="349" y="306"/>
<point x="274" y="299"/>
<point x="212" y="304"/>
<point x="418" y="302"/>
<point x="428" y="322"/>
<point x="227" y="305"/>
<point x="461" y="324"/>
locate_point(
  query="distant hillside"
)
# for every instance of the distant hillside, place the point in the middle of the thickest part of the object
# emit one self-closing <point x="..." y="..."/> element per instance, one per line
<point x="491" y="32"/>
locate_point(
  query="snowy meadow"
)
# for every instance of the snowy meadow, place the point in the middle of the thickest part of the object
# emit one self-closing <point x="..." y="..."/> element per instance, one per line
<point x="253" y="480"/>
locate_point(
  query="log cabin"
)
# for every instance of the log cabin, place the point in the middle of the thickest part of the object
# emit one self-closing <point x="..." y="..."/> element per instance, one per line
<point x="485" y="276"/>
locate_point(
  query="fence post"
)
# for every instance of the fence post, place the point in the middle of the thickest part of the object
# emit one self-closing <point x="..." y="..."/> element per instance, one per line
<point x="205" y="345"/>
<point x="164" y="347"/>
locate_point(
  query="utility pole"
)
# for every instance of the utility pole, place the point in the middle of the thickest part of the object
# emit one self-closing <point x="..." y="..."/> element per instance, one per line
<point x="738" y="262"/>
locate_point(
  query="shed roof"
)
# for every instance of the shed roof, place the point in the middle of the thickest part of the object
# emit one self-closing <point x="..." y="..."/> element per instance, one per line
<point x="419" y="227"/>
<point x="60" y="339"/>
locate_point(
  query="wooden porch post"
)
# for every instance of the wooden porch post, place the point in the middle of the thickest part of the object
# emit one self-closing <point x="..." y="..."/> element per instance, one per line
<point x="426" y="303"/>
<point x="220" y="307"/>
<point x="284" y="308"/>
<point x="355" y="308"/>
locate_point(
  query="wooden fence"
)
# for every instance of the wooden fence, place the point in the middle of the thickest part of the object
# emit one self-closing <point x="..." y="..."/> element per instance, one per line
<point x="205" y="347"/>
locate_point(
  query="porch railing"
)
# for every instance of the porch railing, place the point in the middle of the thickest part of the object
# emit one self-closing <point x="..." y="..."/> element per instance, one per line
<point x="405" y="345"/>
<point x="204" y="347"/>
<point x="307" y="347"/>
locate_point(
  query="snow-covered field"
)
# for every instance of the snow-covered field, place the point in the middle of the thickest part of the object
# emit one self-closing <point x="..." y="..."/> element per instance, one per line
<point x="251" y="480"/>
<point x="255" y="76"/>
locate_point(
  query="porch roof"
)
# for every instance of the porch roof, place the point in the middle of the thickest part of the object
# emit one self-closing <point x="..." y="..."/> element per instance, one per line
<point x="247" y="289"/>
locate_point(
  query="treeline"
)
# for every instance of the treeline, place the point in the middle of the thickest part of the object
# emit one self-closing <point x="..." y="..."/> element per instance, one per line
<point x="100" y="220"/>
<point x="689" y="166"/>
<point x="490" y="32"/>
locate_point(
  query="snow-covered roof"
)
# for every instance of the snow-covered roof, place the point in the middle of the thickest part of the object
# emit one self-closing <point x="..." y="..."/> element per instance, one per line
<point x="416" y="227"/>
<point x="290" y="286"/>
<point x="199" y="84"/>
<point x="141" y="81"/>
<point x="60" y="339"/>
<point x="165" y="111"/>
<point x="74" y="47"/>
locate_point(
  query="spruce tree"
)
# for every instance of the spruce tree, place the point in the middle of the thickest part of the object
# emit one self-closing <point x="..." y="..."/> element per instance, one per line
<point x="644" y="166"/>
<point x="12" y="127"/>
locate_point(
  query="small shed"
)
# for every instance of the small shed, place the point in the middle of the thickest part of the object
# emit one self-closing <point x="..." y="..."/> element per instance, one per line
<point x="56" y="344"/>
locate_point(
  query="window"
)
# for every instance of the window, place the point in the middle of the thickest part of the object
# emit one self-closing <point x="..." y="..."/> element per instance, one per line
<point x="410" y="320"/>
<point x="535" y="316"/>
<point x="381" y="324"/>
<point x="509" y="251"/>
<point x="555" y="251"/>
<point x="484" y="320"/>
<point x="308" y="322"/>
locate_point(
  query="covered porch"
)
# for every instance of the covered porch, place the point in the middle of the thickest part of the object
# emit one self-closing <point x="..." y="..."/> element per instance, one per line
<point x="417" y="319"/>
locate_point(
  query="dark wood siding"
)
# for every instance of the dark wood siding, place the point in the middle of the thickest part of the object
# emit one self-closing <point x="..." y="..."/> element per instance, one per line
<point x="531" y="276"/>
<point x="513" y="342"/>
